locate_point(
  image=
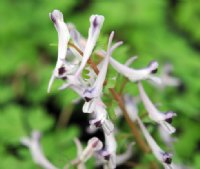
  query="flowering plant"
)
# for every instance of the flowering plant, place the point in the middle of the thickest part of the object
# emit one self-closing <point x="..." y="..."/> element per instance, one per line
<point x="91" y="90"/>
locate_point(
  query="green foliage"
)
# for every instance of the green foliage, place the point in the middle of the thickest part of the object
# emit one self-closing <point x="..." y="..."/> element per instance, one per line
<point x="153" y="30"/>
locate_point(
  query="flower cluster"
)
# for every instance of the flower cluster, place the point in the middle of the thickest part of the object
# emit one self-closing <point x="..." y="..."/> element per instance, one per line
<point x="72" y="43"/>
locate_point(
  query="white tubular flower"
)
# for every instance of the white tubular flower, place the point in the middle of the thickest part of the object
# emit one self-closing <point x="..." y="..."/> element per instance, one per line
<point x="163" y="119"/>
<point x="136" y="75"/>
<point x="76" y="37"/>
<point x="80" y="165"/>
<point x="120" y="158"/>
<point x="78" y="40"/>
<point x="94" y="145"/>
<point x="76" y="84"/>
<point x="166" y="137"/>
<point x="109" y="154"/>
<point x="96" y="89"/>
<point x="101" y="119"/>
<point x="63" y="39"/>
<point x="34" y="146"/>
<point x="167" y="78"/>
<point x="92" y="95"/>
<point x="131" y="107"/>
<point x="96" y="22"/>
<point x="164" y="157"/>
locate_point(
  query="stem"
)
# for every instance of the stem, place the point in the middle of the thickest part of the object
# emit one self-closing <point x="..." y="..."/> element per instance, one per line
<point x="123" y="85"/>
<point x="131" y="124"/>
<point x="65" y="116"/>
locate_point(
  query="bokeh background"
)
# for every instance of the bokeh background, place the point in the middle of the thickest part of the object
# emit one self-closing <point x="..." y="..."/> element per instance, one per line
<point x="163" y="30"/>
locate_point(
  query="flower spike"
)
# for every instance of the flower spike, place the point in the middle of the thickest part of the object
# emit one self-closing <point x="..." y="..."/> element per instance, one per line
<point x="163" y="119"/>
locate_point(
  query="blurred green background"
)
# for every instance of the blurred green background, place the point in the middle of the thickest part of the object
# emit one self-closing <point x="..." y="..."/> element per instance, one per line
<point x="167" y="31"/>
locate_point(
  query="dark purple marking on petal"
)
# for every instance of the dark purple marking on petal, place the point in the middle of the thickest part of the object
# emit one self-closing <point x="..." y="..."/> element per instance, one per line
<point x="53" y="18"/>
<point x="153" y="66"/>
<point x="95" y="23"/>
<point x="89" y="90"/>
<point x="64" y="78"/>
<point x="169" y="116"/>
<point x="167" y="158"/>
<point x="105" y="154"/>
<point x="61" y="70"/>
<point x="169" y="120"/>
<point x="98" y="124"/>
<point x="107" y="157"/>
<point x="154" y="71"/>
<point x="87" y="99"/>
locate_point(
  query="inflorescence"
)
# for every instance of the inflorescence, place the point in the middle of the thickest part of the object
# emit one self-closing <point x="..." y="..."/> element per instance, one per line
<point x="72" y="43"/>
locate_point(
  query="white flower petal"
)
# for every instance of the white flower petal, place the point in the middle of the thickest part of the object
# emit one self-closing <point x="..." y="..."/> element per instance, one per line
<point x="163" y="157"/>
<point x="167" y="127"/>
<point x="63" y="34"/>
<point x="131" y="107"/>
<point x="130" y="60"/>
<point x="122" y="158"/>
<point x="108" y="126"/>
<point x="154" y="114"/>
<point x="96" y="143"/>
<point x="96" y="22"/>
<point x="111" y="148"/>
<point x="167" y="78"/>
<point x="51" y="82"/>
<point x="79" y="146"/>
<point x="63" y="39"/>
<point x="36" y="151"/>
<point x="89" y="107"/>
<point x="134" y="75"/>
<point x="64" y="86"/>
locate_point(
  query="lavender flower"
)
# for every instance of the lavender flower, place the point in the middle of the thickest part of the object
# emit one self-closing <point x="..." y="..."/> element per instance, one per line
<point x="136" y="75"/>
<point x="101" y="119"/>
<point x="34" y="146"/>
<point x="164" y="157"/>
<point x="93" y="94"/>
<point x="167" y="79"/>
<point x="166" y="137"/>
<point x="63" y="39"/>
<point x="96" y="90"/>
<point x="163" y="119"/>
<point x="94" y="145"/>
<point x="96" y="22"/>
<point x="109" y="153"/>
